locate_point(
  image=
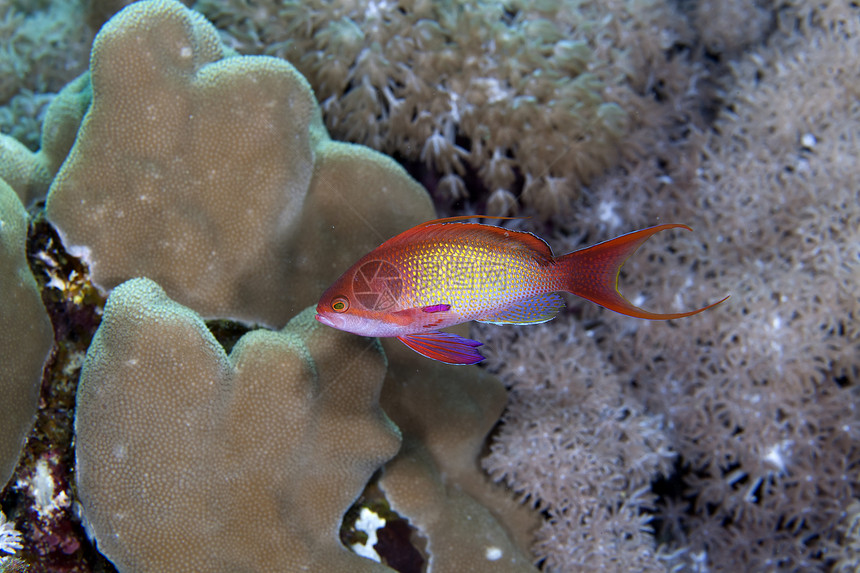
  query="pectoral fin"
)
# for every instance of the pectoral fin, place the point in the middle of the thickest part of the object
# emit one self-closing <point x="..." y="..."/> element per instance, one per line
<point x="444" y="347"/>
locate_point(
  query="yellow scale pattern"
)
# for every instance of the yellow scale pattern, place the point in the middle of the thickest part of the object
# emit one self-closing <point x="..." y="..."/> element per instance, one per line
<point x="475" y="277"/>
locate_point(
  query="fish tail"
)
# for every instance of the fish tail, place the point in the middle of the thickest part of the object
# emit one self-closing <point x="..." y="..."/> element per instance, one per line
<point x="592" y="273"/>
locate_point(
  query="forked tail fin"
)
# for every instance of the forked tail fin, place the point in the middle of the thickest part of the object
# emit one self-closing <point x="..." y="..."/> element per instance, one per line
<point x="592" y="273"/>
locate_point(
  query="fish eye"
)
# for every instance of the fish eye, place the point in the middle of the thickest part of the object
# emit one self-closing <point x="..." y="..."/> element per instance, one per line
<point x="339" y="304"/>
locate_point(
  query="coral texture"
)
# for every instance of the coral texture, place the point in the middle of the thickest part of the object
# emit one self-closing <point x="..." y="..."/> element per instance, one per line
<point x="576" y="444"/>
<point x="772" y="433"/>
<point x="43" y="45"/>
<point x="192" y="460"/>
<point x="344" y="206"/>
<point x="22" y="170"/>
<point x="254" y="458"/>
<point x="757" y="398"/>
<point x="26" y="337"/>
<point x="724" y="442"/>
<point x="534" y="98"/>
<point x="30" y="172"/>
<point x="195" y="170"/>
<point x="445" y="415"/>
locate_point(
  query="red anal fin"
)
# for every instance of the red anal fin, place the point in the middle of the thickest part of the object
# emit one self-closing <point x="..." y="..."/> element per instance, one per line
<point x="592" y="273"/>
<point x="444" y="347"/>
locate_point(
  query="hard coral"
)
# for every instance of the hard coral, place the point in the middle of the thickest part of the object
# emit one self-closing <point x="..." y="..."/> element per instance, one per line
<point x="344" y="198"/>
<point x="435" y="481"/>
<point x="166" y="422"/>
<point x="22" y="170"/>
<point x="199" y="171"/>
<point x="550" y="94"/>
<point x="26" y="337"/>
<point x="188" y="459"/>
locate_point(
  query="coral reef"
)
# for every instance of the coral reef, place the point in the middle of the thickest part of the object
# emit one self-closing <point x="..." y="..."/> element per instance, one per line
<point x="213" y="153"/>
<point x="435" y="480"/>
<point x="26" y="338"/>
<point x="193" y="438"/>
<point x="771" y="434"/>
<point x="758" y="398"/>
<point x="533" y="99"/>
<point x="344" y="201"/>
<point x="728" y="441"/>
<point x="195" y="170"/>
<point x="43" y="45"/>
<point x="192" y="460"/>
<point x="577" y="445"/>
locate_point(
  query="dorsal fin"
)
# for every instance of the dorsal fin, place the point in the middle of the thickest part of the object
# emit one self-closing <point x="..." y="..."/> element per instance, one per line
<point x="417" y="228"/>
<point x="464" y="218"/>
<point x="525" y="238"/>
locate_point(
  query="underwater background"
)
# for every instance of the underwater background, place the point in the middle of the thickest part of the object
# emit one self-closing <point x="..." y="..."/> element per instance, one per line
<point x="180" y="182"/>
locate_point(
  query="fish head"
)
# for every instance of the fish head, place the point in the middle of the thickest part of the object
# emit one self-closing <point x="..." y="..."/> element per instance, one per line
<point x="337" y="309"/>
<point x="334" y="309"/>
<point x="345" y="306"/>
<point x="338" y="312"/>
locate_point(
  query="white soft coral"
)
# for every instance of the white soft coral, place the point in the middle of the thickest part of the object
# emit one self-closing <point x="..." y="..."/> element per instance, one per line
<point x="10" y="538"/>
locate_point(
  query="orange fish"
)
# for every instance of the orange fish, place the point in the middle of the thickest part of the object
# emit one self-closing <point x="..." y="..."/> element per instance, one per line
<point x="446" y="272"/>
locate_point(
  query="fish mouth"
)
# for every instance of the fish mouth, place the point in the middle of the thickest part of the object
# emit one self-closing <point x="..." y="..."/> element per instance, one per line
<point x="326" y="320"/>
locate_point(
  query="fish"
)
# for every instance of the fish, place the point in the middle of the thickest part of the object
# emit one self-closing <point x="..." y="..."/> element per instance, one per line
<point x="445" y="272"/>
